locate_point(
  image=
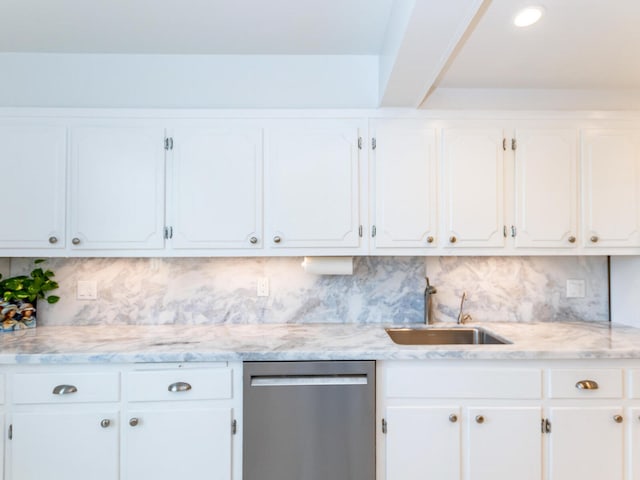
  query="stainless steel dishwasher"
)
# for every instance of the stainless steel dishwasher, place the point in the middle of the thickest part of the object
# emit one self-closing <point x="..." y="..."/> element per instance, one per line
<point x="309" y="420"/>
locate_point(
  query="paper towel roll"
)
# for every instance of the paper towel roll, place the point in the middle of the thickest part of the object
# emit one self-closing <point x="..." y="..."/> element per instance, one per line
<point x="328" y="265"/>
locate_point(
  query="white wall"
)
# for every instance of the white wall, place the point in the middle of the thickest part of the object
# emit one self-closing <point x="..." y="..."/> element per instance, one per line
<point x="188" y="81"/>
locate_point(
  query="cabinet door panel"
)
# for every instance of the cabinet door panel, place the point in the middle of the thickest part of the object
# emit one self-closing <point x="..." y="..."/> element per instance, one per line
<point x="506" y="444"/>
<point x="546" y="183"/>
<point x="73" y="446"/>
<point x="405" y="185"/>
<point x="634" y="447"/>
<point x="117" y="187"/>
<point x="33" y="169"/>
<point x="586" y="443"/>
<point x="179" y="443"/>
<point x="422" y="442"/>
<point x="611" y="188"/>
<point x="312" y="185"/>
<point x="216" y="195"/>
<point x="473" y="173"/>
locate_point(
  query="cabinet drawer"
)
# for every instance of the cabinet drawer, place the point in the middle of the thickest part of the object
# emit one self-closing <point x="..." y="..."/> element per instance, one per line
<point x="187" y="384"/>
<point x="634" y="383"/>
<point x="2" y="389"/>
<point x="413" y="381"/>
<point x="66" y="387"/>
<point x="595" y="383"/>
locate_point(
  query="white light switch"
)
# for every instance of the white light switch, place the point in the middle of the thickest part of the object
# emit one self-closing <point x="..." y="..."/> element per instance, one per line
<point x="87" y="290"/>
<point x="575" y="288"/>
<point x="263" y="287"/>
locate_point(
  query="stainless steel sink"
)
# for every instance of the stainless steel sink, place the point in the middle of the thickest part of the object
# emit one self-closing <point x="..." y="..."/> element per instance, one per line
<point x="443" y="336"/>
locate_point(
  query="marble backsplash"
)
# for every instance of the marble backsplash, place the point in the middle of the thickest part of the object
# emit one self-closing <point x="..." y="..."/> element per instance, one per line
<point x="189" y="291"/>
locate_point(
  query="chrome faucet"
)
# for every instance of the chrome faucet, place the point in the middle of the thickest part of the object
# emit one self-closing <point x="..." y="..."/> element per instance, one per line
<point x="462" y="318"/>
<point x="428" y="291"/>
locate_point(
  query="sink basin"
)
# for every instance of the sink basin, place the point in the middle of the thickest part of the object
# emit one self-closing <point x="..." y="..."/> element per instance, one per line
<point x="443" y="336"/>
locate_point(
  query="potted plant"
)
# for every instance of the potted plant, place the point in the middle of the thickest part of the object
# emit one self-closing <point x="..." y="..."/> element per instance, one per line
<point x="19" y="296"/>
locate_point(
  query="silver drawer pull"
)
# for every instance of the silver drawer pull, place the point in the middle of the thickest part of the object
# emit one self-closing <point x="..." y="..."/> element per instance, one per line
<point x="587" y="385"/>
<point x="105" y="423"/>
<point x="64" y="389"/>
<point x="179" y="387"/>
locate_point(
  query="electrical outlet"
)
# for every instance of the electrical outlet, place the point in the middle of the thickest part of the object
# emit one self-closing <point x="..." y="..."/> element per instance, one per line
<point x="263" y="287"/>
<point x="87" y="290"/>
<point x="575" y="288"/>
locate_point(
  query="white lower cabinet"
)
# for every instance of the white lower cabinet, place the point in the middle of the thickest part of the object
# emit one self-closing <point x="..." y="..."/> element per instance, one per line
<point x="492" y="420"/>
<point x="129" y="422"/>
<point x="74" y="445"/>
<point x="193" y="443"/>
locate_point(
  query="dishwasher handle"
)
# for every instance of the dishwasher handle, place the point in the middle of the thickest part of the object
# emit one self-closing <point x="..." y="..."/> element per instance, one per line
<point x="307" y="380"/>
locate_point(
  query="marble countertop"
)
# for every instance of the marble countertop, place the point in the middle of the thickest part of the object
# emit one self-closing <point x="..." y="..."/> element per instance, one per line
<point x="171" y="343"/>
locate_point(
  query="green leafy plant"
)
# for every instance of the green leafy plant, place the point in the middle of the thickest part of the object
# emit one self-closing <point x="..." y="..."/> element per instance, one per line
<point x="37" y="284"/>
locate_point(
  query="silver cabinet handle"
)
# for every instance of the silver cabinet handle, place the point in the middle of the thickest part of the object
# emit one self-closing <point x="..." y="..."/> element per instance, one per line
<point x="64" y="389"/>
<point x="179" y="387"/>
<point x="430" y="239"/>
<point x="587" y="385"/>
<point x="594" y="239"/>
<point x="453" y="418"/>
<point x="105" y="423"/>
<point x="453" y="239"/>
<point x="134" y="421"/>
<point x="479" y="419"/>
<point x="618" y="418"/>
<point x="53" y="240"/>
<point x="75" y="241"/>
<point x="572" y="239"/>
<point x="277" y="239"/>
<point x="253" y="240"/>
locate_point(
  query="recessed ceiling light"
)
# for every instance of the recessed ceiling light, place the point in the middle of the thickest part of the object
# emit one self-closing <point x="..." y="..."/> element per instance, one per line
<point x="528" y="16"/>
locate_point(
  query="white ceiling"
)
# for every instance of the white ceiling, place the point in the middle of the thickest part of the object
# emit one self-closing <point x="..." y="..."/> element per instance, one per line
<point x="578" y="44"/>
<point x="305" y="27"/>
<point x="424" y="46"/>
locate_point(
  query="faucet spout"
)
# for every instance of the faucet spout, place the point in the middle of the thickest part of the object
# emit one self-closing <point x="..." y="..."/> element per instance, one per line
<point x="428" y="292"/>
<point x="462" y="318"/>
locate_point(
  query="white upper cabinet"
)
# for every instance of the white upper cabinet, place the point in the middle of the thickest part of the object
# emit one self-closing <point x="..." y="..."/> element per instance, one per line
<point x="117" y="187"/>
<point x="405" y="185"/>
<point x="312" y="185"/>
<point x="611" y="188"/>
<point x="545" y="188"/>
<point x="33" y="166"/>
<point x="473" y="187"/>
<point x="215" y="187"/>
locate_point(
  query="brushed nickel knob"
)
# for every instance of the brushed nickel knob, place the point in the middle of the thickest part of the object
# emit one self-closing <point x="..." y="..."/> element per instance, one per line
<point x="53" y="240"/>
<point x="277" y="239"/>
<point x="430" y="239"/>
<point x="75" y="241"/>
<point x="572" y="239"/>
<point x="105" y="423"/>
<point x="453" y="418"/>
<point x="253" y="240"/>
<point x="479" y="419"/>
<point x="453" y="239"/>
<point x="617" y="418"/>
<point x="594" y="239"/>
<point x="134" y="421"/>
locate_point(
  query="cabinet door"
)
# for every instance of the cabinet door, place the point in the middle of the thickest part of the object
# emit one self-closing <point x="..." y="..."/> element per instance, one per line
<point x="33" y="166"/>
<point x="634" y="447"/>
<point x="73" y="446"/>
<point x="504" y="443"/>
<point x="191" y="443"/>
<point x="546" y="188"/>
<point x="117" y="187"/>
<point x="423" y="443"/>
<point x="586" y="443"/>
<point x="216" y="187"/>
<point x="405" y="184"/>
<point x="312" y="185"/>
<point x="473" y="172"/>
<point x="611" y="188"/>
